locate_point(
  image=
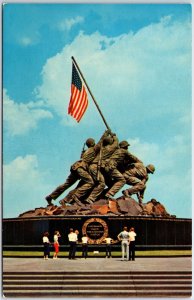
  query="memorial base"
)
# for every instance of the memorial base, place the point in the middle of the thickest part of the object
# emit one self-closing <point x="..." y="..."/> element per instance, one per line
<point x="152" y="233"/>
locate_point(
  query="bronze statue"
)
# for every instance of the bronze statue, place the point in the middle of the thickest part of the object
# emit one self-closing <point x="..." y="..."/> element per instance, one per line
<point x="109" y="145"/>
<point x="136" y="175"/>
<point x="113" y="166"/>
<point x="105" y="164"/>
<point x="78" y="171"/>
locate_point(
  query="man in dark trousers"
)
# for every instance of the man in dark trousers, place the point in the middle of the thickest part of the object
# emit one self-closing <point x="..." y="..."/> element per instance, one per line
<point x="132" y="236"/>
<point x="72" y="237"/>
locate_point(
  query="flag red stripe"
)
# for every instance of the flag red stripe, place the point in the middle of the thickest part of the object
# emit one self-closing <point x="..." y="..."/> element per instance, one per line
<point x="82" y="109"/>
<point x="81" y="103"/>
<point x="83" y="112"/>
<point x="76" y="104"/>
<point x="79" y="113"/>
<point x="78" y="101"/>
<point x="74" y="97"/>
<point x="73" y="91"/>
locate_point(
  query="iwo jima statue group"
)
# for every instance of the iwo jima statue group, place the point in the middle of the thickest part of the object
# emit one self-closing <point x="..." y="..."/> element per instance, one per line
<point x="103" y="169"/>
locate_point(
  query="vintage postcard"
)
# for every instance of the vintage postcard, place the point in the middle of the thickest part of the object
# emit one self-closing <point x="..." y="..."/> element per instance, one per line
<point x="97" y="107"/>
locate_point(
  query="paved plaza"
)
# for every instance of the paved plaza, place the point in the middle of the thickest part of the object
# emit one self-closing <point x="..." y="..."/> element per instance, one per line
<point x="99" y="264"/>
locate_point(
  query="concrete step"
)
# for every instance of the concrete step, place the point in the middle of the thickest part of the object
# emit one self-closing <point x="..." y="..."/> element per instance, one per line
<point x="97" y="284"/>
<point x="47" y="281"/>
<point x="94" y="287"/>
<point x="97" y="276"/>
<point x="98" y="272"/>
<point x="98" y="293"/>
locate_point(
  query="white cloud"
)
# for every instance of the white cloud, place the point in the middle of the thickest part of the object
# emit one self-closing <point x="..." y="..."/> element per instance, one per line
<point x="25" y="184"/>
<point x="28" y="39"/>
<point x="21" y="118"/>
<point x="165" y="157"/>
<point x="150" y="67"/>
<point x="67" y="24"/>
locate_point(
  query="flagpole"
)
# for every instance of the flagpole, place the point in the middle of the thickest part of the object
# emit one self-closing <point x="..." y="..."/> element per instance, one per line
<point x="90" y="92"/>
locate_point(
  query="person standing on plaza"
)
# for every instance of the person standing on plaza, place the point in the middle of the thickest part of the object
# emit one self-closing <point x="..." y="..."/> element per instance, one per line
<point x="132" y="236"/>
<point x="46" y="244"/>
<point x="123" y="236"/>
<point x="72" y="237"/>
<point x="84" y="246"/>
<point x="56" y="244"/>
<point x="108" y="242"/>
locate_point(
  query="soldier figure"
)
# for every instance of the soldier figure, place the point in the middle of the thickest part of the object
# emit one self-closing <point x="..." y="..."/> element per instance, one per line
<point x="137" y="175"/>
<point x="78" y="171"/>
<point x="109" y="145"/>
<point x="114" y="165"/>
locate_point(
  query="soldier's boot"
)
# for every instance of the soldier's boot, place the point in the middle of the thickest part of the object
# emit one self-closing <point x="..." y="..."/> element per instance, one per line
<point x="109" y="197"/>
<point x="75" y="198"/>
<point x="126" y="193"/>
<point x="49" y="200"/>
<point x="65" y="200"/>
<point x="90" y="201"/>
<point x="62" y="202"/>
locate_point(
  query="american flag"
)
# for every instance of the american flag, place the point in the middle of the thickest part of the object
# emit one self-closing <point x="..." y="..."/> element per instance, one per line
<point x="79" y="101"/>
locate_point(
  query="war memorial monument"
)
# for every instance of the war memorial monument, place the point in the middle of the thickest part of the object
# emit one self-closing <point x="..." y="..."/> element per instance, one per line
<point x="90" y="206"/>
<point x="102" y="169"/>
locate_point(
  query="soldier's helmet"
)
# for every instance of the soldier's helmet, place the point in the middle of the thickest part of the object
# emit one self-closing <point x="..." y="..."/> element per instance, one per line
<point x="151" y="168"/>
<point x="90" y="142"/>
<point x="154" y="201"/>
<point x="124" y="144"/>
<point x="107" y="140"/>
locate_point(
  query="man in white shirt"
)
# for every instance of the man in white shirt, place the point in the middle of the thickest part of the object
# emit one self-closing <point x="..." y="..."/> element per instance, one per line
<point x="132" y="236"/>
<point x="123" y="236"/>
<point x="84" y="246"/>
<point x="108" y="242"/>
<point x="72" y="237"/>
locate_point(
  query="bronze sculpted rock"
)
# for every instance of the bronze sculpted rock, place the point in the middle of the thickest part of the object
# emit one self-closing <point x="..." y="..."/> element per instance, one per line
<point x="121" y="206"/>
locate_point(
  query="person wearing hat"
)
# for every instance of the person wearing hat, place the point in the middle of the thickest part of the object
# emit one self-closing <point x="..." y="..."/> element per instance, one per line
<point x="114" y="166"/>
<point x="136" y="175"/>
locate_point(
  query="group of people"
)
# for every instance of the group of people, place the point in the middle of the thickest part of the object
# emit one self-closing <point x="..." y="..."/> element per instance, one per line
<point x="73" y="240"/>
<point x="127" y="244"/>
<point x="103" y="169"/>
<point x="127" y="239"/>
<point x="47" y="243"/>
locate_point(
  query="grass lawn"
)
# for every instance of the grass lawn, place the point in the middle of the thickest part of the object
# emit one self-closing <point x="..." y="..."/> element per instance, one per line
<point x="147" y="253"/>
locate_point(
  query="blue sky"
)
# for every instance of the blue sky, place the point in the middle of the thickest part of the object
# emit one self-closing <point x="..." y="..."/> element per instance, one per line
<point x="136" y="59"/>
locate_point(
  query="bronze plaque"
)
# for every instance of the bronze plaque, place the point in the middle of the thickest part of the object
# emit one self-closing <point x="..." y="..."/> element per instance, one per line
<point x="96" y="230"/>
